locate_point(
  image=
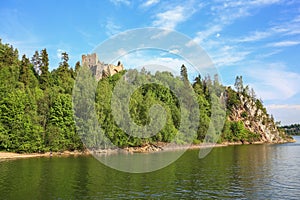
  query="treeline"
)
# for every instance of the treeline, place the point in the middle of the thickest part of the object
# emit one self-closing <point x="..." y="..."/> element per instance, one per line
<point x="36" y="111"/>
<point x="36" y="105"/>
<point x="208" y="93"/>
<point x="293" y="129"/>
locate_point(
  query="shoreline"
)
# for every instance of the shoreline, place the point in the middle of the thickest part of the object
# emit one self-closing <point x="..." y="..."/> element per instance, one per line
<point x="10" y="155"/>
<point x="128" y="150"/>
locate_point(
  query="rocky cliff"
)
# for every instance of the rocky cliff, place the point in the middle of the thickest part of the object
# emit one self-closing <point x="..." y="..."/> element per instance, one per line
<point x="255" y="118"/>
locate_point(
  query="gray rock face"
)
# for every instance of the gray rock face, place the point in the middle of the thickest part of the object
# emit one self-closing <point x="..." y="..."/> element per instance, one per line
<point x="257" y="121"/>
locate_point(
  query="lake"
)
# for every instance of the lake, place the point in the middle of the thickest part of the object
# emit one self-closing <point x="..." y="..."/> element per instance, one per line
<point x="235" y="172"/>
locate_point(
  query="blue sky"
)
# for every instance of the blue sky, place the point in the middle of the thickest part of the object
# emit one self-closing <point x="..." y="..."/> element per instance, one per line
<point x="258" y="39"/>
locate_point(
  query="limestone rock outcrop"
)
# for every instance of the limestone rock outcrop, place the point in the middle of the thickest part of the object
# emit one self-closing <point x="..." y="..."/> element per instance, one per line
<point x="257" y="120"/>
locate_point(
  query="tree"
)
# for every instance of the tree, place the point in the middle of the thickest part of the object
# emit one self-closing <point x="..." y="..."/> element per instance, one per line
<point x="65" y="58"/>
<point x="77" y="68"/>
<point x="197" y="85"/>
<point x="63" y="76"/>
<point x="183" y="73"/>
<point x="246" y="90"/>
<point x="36" y="61"/>
<point x="216" y="80"/>
<point x="61" y="119"/>
<point x="44" y="69"/>
<point x="252" y="94"/>
<point x="239" y="84"/>
<point x="36" y="111"/>
<point x="18" y="113"/>
<point x="207" y="86"/>
<point x="24" y="70"/>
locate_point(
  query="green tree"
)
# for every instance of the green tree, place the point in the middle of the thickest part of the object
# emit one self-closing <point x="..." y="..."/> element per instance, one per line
<point x="197" y="85"/>
<point x="25" y="71"/>
<point x="183" y="73"/>
<point x="239" y="84"/>
<point x="63" y="75"/>
<point x="17" y="117"/>
<point x="61" y="121"/>
<point x="36" y="61"/>
<point x="44" y="68"/>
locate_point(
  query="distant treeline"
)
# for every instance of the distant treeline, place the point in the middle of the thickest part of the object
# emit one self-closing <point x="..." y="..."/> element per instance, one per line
<point x="36" y="112"/>
<point x="293" y="129"/>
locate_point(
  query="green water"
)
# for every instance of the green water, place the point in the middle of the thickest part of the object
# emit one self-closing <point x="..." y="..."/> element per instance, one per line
<point x="235" y="172"/>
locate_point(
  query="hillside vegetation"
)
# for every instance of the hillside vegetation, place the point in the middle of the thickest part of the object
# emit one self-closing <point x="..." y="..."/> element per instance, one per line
<point x="36" y="110"/>
<point x="293" y="129"/>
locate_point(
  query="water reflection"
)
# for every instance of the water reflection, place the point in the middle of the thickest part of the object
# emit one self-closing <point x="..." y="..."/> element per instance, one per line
<point x="238" y="172"/>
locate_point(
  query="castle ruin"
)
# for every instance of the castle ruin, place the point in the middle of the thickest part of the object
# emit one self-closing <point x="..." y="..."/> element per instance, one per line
<point x="100" y="69"/>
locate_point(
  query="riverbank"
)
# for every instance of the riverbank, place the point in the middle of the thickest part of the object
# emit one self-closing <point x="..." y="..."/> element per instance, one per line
<point x="149" y="148"/>
<point x="10" y="155"/>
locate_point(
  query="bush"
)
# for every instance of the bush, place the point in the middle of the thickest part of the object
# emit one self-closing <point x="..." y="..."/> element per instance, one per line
<point x="196" y="141"/>
<point x="244" y="114"/>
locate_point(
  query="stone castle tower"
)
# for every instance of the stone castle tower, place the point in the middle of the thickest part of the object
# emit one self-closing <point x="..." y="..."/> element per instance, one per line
<point x="100" y="69"/>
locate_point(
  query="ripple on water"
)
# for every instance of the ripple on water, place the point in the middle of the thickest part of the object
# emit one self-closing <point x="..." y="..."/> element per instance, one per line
<point x="240" y="172"/>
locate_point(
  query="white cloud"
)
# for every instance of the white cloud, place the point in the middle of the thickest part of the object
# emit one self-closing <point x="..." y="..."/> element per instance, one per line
<point x="169" y="19"/>
<point x="284" y="106"/>
<point x="247" y="4"/>
<point x="297" y="19"/>
<point x="119" y="2"/>
<point x="153" y="61"/>
<point x="15" y="32"/>
<point x="202" y="35"/>
<point x="161" y="34"/>
<point x="286" y="113"/>
<point x="226" y="12"/>
<point x="291" y="27"/>
<point x="274" y="82"/>
<point x="150" y="3"/>
<point x="261" y="2"/>
<point x="228" y="57"/>
<point x="284" y="29"/>
<point x="59" y="52"/>
<point x="222" y="54"/>
<point x="112" y="28"/>
<point x="266" y="55"/>
<point x="174" y="51"/>
<point x="284" y="43"/>
<point x="121" y="52"/>
<point x="256" y="36"/>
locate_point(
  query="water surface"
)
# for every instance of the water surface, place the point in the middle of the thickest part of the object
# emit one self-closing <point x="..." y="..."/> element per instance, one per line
<point x="235" y="172"/>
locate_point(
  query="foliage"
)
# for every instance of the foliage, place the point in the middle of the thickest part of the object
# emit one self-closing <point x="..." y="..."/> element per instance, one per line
<point x="235" y="131"/>
<point x="233" y="99"/>
<point x="37" y="113"/>
<point x="293" y="129"/>
<point x="239" y="84"/>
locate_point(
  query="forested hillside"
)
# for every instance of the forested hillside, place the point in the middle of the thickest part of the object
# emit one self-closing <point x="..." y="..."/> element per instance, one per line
<point x="293" y="129"/>
<point x="35" y="104"/>
<point x="36" y="112"/>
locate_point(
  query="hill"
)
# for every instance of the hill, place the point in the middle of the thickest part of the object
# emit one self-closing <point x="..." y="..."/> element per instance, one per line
<point x="293" y="129"/>
<point x="37" y="114"/>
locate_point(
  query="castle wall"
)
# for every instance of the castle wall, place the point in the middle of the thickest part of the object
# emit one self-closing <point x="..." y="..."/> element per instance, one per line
<point x="98" y="68"/>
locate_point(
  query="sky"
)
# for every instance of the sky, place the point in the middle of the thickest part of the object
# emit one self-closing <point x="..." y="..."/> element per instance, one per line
<point x="257" y="39"/>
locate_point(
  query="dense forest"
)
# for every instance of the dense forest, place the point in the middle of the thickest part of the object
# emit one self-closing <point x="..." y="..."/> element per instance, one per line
<point x="37" y="115"/>
<point x="293" y="129"/>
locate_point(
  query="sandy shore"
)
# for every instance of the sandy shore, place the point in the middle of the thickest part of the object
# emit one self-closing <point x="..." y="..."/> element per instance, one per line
<point x="9" y="155"/>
